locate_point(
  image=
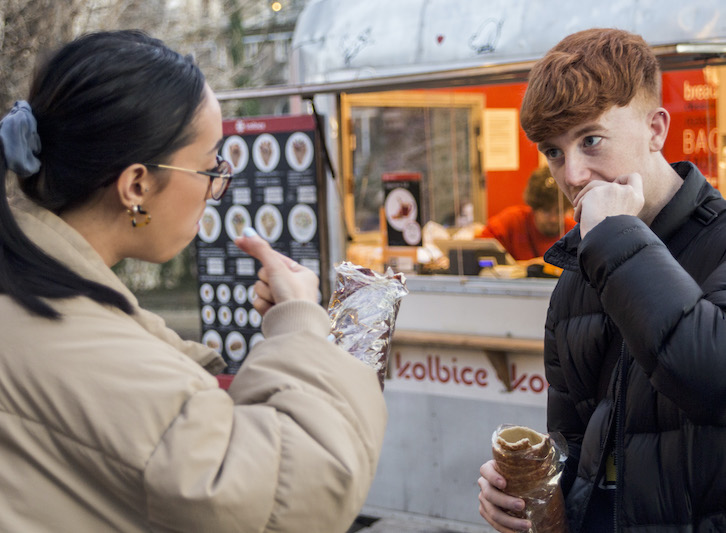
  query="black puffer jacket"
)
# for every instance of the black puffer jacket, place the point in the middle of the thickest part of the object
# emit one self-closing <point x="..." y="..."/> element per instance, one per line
<point x="635" y="351"/>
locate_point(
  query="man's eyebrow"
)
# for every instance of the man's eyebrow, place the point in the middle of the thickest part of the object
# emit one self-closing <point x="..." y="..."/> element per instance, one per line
<point x="588" y="128"/>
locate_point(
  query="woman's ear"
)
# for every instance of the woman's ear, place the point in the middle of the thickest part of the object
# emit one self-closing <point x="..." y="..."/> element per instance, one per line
<point x="132" y="185"/>
<point x="660" y="121"/>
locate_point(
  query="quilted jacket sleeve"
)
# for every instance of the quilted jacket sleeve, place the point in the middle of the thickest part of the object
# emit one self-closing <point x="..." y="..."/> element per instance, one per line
<point x="294" y="447"/>
<point x="562" y="414"/>
<point x="674" y="327"/>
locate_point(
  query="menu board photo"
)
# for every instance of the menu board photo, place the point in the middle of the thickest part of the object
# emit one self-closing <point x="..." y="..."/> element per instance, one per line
<point x="278" y="189"/>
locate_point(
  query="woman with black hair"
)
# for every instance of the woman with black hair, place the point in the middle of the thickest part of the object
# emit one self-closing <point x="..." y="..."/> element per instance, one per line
<point x="108" y="420"/>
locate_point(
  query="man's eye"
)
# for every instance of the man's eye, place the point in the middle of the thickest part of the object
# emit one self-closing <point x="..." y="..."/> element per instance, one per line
<point x="592" y="140"/>
<point x="552" y="153"/>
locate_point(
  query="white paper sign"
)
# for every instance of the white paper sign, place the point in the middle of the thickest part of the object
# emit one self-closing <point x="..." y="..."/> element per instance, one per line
<point x="501" y="139"/>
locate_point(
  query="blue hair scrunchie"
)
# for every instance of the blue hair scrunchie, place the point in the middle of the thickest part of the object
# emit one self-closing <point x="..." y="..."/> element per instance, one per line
<point x="21" y="143"/>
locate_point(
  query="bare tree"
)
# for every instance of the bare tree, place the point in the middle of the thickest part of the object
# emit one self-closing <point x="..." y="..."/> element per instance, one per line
<point x="235" y="42"/>
<point x="28" y="27"/>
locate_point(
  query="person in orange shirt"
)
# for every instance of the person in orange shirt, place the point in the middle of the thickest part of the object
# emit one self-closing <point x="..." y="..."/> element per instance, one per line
<point x="528" y="230"/>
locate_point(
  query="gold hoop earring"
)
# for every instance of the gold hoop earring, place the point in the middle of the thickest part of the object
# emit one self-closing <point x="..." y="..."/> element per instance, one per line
<point x="137" y="210"/>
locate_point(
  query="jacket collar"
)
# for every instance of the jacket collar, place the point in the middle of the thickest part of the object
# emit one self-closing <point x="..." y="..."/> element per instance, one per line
<point x="694" y="192"/>
<point x="59" y="240"/>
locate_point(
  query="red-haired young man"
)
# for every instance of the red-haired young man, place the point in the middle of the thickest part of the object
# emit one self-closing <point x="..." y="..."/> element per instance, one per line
<point x="635" y="336"/>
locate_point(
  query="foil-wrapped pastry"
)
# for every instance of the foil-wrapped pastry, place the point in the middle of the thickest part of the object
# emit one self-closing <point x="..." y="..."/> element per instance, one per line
<point x="363" y="310"/>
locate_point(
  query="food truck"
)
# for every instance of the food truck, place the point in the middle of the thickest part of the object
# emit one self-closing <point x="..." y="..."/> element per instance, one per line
<point x="412" y="110"/>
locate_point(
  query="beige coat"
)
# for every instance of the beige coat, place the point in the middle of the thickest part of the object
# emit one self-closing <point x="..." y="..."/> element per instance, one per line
<point x="110" y="423"/>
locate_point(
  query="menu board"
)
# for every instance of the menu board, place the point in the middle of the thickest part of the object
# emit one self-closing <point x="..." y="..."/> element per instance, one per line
<point x="276" y="189"/>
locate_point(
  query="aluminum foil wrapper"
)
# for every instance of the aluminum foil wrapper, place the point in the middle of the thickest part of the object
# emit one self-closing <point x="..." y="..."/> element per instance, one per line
<point x="363" y="310"/>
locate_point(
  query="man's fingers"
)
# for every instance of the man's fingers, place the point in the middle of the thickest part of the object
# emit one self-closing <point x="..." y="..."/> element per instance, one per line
<point x="490" y="474"/>
<point x="587" y="188"/>
<point x="500" y="520"/>
<point x="634" y="180"/>
<point x="495" y="504"/>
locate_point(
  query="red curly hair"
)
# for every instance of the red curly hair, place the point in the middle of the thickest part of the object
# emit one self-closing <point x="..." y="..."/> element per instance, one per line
<point x="583" y="76"/>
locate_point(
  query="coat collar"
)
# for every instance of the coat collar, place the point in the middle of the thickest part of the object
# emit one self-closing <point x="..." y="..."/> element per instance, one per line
<point x="59" y="240"/>
<point x="694" y="191"/>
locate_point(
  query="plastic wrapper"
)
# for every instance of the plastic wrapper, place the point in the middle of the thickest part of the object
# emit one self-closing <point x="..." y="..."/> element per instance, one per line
<point x="532" y="463"/>
<point x="363" y="310"/>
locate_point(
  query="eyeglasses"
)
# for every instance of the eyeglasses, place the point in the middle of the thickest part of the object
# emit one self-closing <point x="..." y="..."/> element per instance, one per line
<point x="219" y="176"/>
